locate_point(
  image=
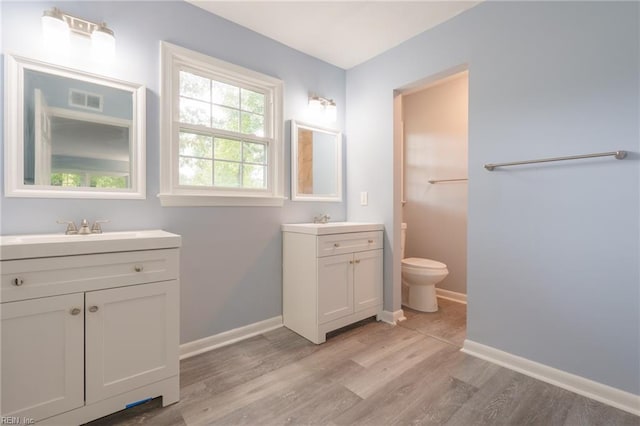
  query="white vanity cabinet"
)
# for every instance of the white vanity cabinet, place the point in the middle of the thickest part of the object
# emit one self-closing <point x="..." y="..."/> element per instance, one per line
<point x="85" y="335"/>
<point x="332" y="276"/>
<point x="42" y="356"/>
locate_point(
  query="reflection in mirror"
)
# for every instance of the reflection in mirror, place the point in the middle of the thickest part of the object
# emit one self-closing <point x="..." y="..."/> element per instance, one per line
<point x="76" y="135"/>
<point x="316" y="163"/>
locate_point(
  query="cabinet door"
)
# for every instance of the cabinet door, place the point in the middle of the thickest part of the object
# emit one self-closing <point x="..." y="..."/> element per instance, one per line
<point x="368" y="279"/>
<point x="335" y="287"/>
<point x="42" y="356"/>
<point x="131" y="337"/>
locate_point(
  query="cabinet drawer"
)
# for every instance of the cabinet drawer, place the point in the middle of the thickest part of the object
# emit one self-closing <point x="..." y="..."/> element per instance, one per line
<point x="329" y="245"/>
<point x="31" y="278"/>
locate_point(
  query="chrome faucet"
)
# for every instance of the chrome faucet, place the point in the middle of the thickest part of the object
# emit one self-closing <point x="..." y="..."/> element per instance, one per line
<point x="96" y="228"/>
<point x="71" y="227"/>
<point x="84" y="227"/>
<point x="323" y="218"/>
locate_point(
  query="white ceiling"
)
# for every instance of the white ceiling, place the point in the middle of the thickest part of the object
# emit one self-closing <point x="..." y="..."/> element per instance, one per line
<point x="343" y="33"/>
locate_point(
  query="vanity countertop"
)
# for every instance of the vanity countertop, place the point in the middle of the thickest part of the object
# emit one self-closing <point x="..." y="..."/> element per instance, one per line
<point x="331" y="227"/>
<point x="50" y="245"/>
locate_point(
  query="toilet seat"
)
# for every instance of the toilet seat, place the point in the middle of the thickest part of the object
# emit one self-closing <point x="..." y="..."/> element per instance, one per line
<point x="420" y="264"/>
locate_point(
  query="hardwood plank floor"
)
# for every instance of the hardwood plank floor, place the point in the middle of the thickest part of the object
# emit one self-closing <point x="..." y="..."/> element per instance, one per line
<point x="369" y="373"/>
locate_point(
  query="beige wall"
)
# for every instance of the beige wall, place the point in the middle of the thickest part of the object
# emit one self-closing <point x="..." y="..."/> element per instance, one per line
<point x="435" y="147"/>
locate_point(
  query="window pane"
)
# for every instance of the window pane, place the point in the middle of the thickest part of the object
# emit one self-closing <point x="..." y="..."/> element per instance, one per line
<point x="228" y="149"/>
<point x="226" y="119"/>
<point x="252" y="101"/>
<point x="254" y="152"/>
<point x="195" y="112"/>
<point x="194" y="145"/>
<point x="254" y="176"/>
<point x="66" y="179"/>
<point x="226" y="94"/>
<point x="194" y="171"/>
<point x="108" y="182"/>
<point x="194" y="86"/>
<point x="227" y="174"/>
<point x="252" y="124"/>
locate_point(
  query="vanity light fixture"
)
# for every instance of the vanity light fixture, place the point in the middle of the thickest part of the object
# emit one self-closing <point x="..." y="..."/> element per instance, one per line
<point x="323" y="107"/>
<point x="57" y="26"/>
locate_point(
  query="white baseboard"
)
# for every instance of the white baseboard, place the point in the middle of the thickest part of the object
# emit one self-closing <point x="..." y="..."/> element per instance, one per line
<point x="451" y="295"/>
<point x="606" y="394"/>
<point x="206" y="344"/>
<point x="392" y="317"/>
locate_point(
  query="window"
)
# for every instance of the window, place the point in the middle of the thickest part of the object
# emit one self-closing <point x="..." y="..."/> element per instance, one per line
<point x="81" y="99"/>
<point x="221" y="132"/>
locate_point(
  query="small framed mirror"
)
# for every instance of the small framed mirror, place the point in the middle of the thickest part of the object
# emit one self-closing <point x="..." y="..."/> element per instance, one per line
<point x="316" y="163"/>
<point x="71" y="134"/>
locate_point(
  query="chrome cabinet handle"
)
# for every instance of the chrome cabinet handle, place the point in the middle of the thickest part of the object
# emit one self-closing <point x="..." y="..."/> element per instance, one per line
<point x="336" y="245"/>
<point x="351" y="262"/>
<point x="93" y="308"/>
<point x="138" y="268"/>
<point x="75" y="311"/>
<point x="357" y="260"/>
<point x="17" y="281"/>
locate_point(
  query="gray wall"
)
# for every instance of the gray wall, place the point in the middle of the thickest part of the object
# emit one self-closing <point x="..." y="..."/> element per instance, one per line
<point x="553" y="270"/>
<point x="231" y="257"/>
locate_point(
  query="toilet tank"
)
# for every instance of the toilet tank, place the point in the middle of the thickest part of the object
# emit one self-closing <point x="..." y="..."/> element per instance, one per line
<point x="403" y="238"/>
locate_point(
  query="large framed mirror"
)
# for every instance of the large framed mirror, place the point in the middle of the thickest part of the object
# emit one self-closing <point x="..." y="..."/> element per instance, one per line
<point x="70" y="134"/>
<point x="316" y="163"/>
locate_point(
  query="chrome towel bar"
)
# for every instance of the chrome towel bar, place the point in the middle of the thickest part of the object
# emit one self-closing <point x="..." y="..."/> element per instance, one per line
<point x="445" y="180"/>
<point x="619" y="155"/>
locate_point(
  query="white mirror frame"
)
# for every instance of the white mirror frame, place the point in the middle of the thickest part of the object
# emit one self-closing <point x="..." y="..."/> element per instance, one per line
<point x="14" y="134"/>
<point x="295" y="196"/>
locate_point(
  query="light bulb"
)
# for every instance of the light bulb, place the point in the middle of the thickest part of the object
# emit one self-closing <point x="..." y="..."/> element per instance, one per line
<point x="331" y="111"/>
<point x="55" y="31"/>
<point x="103" y="44"/>
<point x="315" y="104"/>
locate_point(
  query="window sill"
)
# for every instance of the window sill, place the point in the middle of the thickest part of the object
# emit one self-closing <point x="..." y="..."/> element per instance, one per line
<point x="190" y="200"/>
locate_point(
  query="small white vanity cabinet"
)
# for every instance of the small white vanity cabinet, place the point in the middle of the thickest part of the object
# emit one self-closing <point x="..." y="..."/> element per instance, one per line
<point x="332" y="276"/>
<point x="90" y="324"/>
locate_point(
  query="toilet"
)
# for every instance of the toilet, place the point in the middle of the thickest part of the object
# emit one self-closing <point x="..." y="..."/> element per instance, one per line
<point x="419" y="279"/>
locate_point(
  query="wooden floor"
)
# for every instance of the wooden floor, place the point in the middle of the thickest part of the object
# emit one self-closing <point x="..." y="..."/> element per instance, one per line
<point x="368" y="374"/>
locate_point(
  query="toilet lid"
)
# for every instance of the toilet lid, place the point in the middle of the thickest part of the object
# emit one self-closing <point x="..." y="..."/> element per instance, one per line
<point x="417" y="262"/>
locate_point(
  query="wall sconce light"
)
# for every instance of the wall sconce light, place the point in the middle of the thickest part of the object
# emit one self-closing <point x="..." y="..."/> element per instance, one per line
<point x="57" y="27"/>
<point x="323" y="107"/>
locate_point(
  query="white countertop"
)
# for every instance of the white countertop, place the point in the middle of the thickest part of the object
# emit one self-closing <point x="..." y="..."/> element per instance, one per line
<point x="331" y="227"/>
<point x="50" y="245"/>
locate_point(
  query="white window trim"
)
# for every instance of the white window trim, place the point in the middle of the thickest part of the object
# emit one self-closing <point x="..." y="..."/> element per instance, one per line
<point x="172" y="56"/>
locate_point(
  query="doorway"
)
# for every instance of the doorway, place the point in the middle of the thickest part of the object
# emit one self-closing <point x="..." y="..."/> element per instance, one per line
<point x="434" y="190"/>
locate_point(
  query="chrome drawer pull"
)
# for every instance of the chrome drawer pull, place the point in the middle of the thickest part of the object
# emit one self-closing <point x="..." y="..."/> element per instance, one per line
<point x="370" y="241"/>
<point x="138" y="268"/>
<point x="75" y="311"/>
<point x="17" y="281"/>
<point x="93" y="308"/>
<point x="336" y="245"/>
